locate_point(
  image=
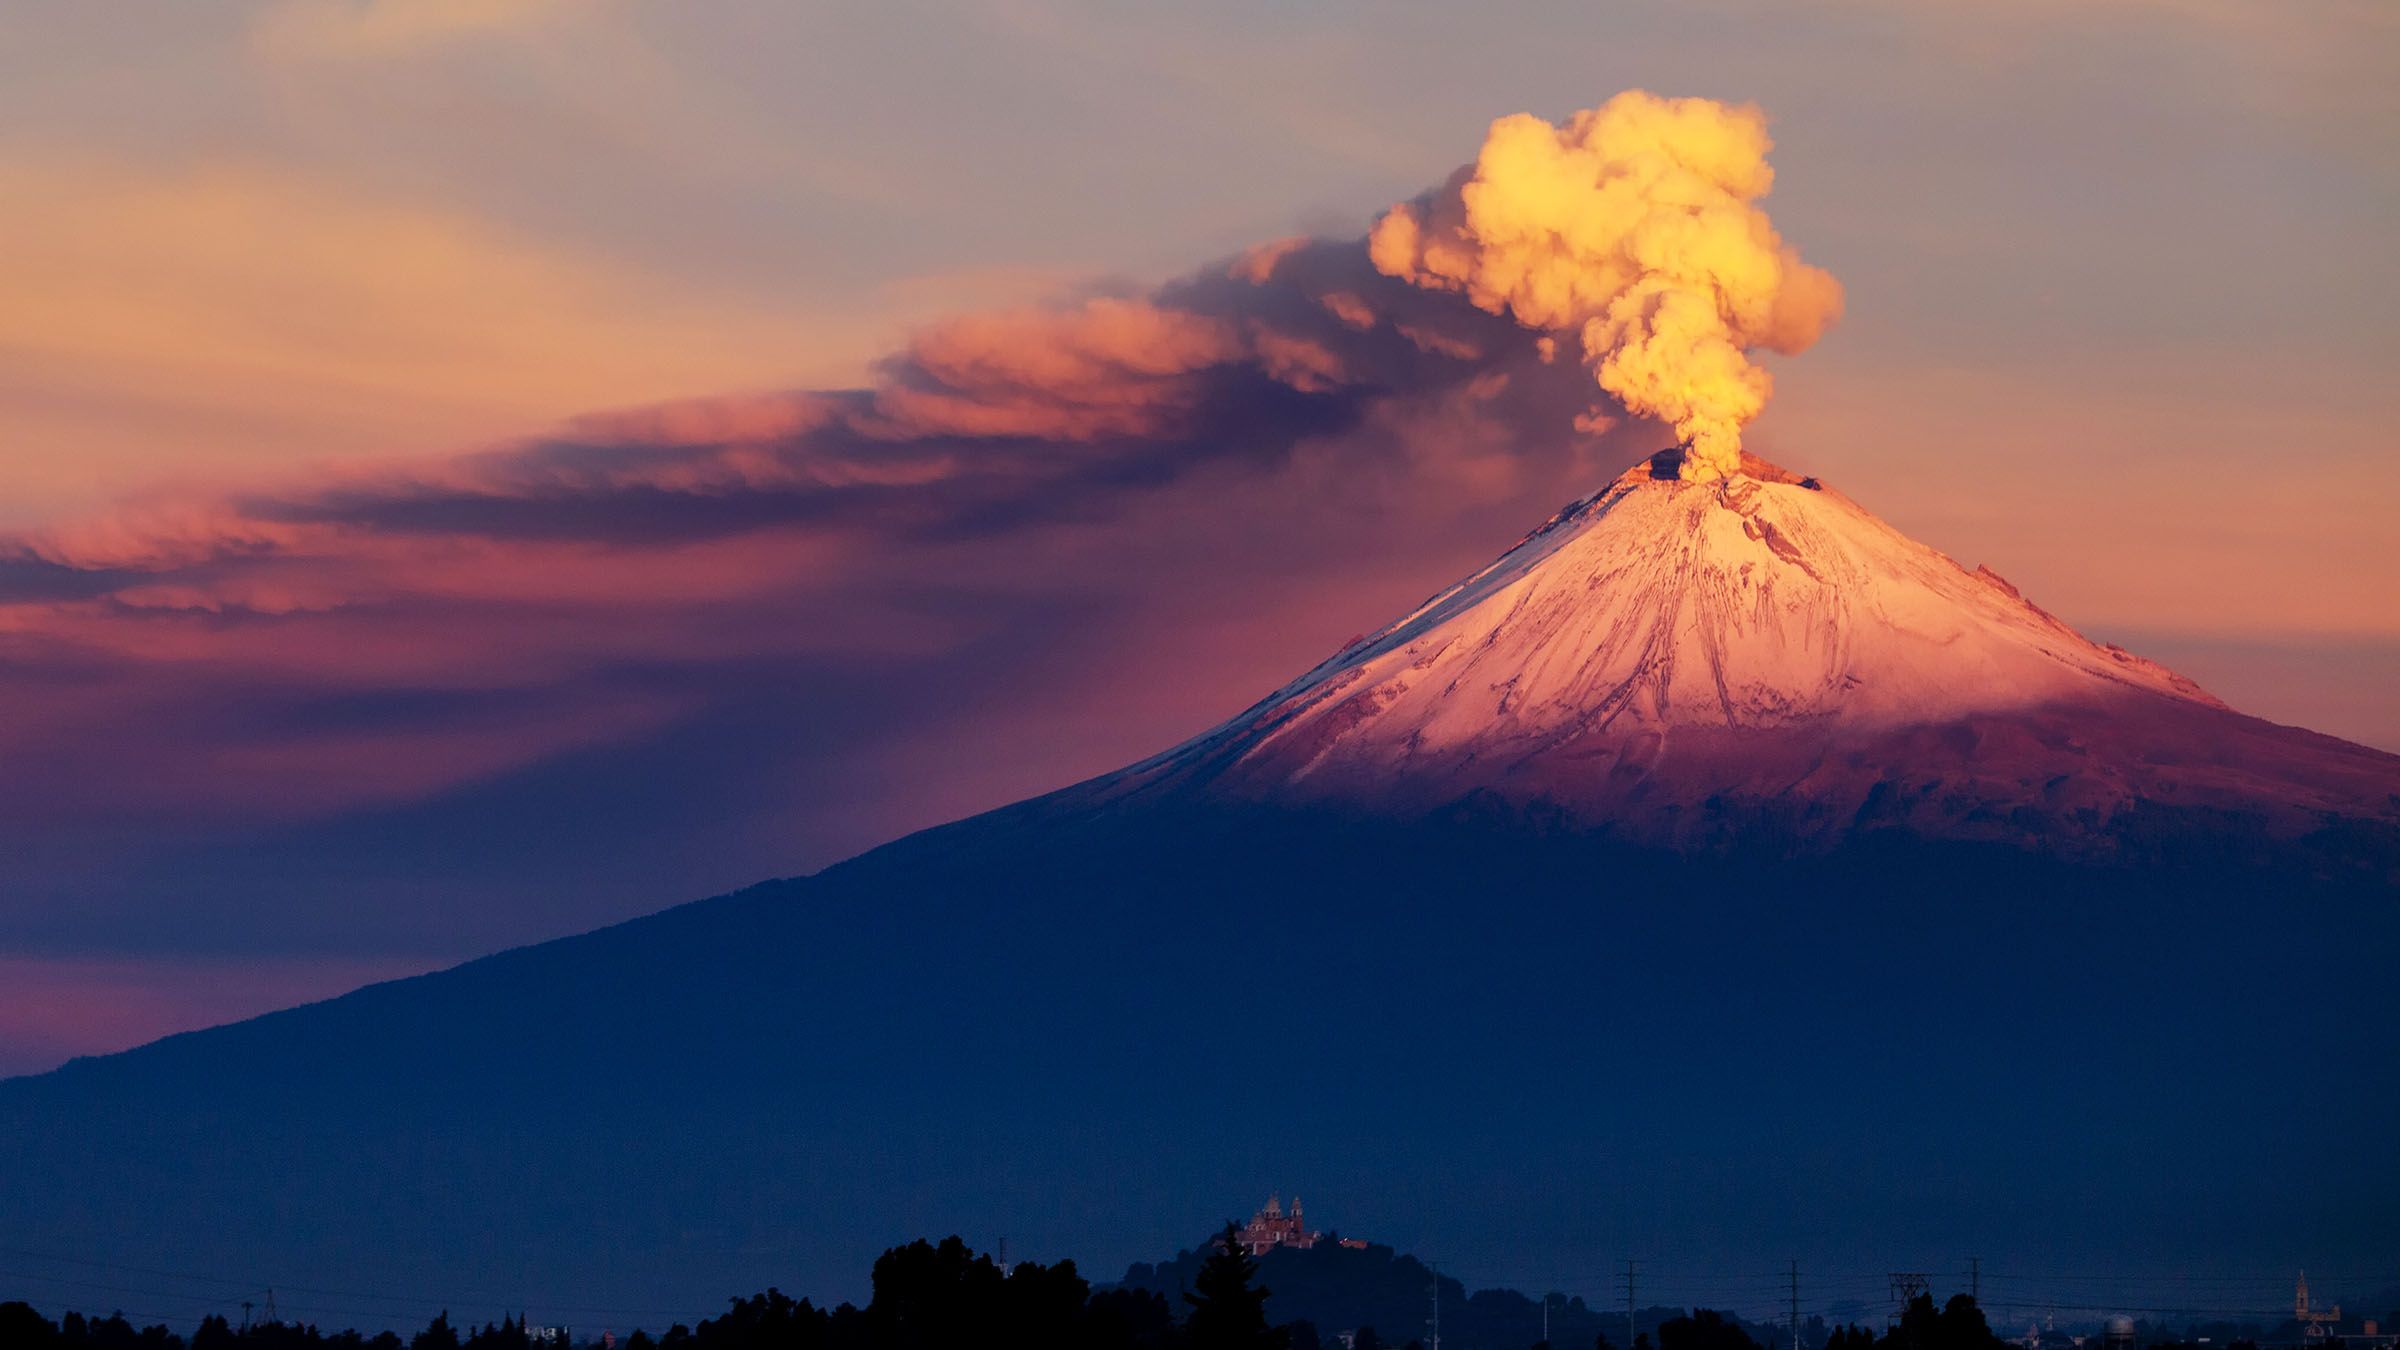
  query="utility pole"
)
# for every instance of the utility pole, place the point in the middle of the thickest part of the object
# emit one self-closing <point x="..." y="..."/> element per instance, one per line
<point x="1975" y="1279"/>
<point x="1794" y="1279"/>
<point x="1632" y="1268"/>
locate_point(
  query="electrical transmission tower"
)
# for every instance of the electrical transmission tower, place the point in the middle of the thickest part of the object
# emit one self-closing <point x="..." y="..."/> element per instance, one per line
<point x="272" y="1318"/>
<point x="1632" y="1268"/>
<point x="1906" y="1286"/>
<point x="1793" y="1280"/>
<point x="1433" y="1338"/>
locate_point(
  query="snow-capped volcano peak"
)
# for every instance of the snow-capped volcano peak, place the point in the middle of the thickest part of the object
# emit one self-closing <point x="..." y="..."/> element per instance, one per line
<point x="1759" y="600"/>
<point x="1663" y="648"/>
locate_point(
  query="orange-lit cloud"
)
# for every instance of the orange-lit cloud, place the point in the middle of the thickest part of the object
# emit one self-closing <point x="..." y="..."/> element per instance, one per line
<point x="1634" y="225"/>
<point x="1350" y="310"/>
<point x="236" y="318"/>
<point x="359" y="29"/>
<point x="1107" y="367"/>
<point x="378" y="632"/>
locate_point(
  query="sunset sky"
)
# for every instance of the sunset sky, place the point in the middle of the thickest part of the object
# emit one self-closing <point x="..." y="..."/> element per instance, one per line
<point x="474" y="470"/>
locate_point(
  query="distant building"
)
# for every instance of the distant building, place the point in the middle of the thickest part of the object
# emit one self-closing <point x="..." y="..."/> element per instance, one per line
<point x="2315" y="1323"/>
<point x="1271" y="1228"/>
<point x="2048" y="1338"/>
<point x="2369" y="1336"/>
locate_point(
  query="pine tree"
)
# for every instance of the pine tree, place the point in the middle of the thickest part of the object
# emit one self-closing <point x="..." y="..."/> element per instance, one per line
<point x="1229" y="1312"/>
<point x="438" y="1335"/>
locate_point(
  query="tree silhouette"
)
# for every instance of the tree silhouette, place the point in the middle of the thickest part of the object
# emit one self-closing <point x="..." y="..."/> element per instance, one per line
<point x="21" y="1325"/>
<point x="762" y="1320"/>
<point x="1957" y="1325"/>
<point x="1229" y="1310"/>
<point x="928" y="1297"/>
<point x="1963" y="1326"/>
<point x="1128" y="1317"/>
<point x="1850" y="1338"/>
<point x="437" y="1336"/>
<point x="931" y="1296"/>
<point x="1704" y="1329"/>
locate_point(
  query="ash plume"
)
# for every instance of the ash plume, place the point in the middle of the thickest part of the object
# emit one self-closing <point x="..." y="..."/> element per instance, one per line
<point x="1316" y="421"/>
<point x="1636" y="227"/>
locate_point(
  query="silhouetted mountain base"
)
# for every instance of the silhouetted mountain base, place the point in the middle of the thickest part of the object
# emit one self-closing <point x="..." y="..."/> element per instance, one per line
<point x="1084" y="1032"/>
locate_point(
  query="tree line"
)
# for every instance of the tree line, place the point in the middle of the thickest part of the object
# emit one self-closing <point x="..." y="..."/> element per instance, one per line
<point x="929" y="1296"/>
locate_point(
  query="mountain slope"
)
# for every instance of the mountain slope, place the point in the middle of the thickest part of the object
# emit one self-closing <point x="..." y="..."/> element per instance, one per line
<point x="1757" y="660"/>
<point x="1719" y="876"/>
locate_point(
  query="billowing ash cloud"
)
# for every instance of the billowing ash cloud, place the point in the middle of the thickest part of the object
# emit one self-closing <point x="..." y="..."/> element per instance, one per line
<point x="686" y="646"/>
<point x="1636" y="227"/>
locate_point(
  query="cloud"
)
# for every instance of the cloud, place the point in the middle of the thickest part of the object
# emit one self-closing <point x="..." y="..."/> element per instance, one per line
<point x="371" y="639"/>
<point x="243" y="318"/>
<point x="373" y="29"/>
<point x="735" y="634"/>
<point x="1107" y="367"/>
<point x="980" y="422"/>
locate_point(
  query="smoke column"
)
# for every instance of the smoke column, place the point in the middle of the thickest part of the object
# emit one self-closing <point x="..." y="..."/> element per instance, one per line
<point x="1636" y="226"/>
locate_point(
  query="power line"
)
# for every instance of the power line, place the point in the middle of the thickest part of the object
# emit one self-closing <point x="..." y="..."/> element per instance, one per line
<point x="203" y="1299"/>
<point x="204" y="1303"/>
<point x="459" y="1298"/>
<point x="2124" y="1305"/>
<point x="2278" y="1279"/>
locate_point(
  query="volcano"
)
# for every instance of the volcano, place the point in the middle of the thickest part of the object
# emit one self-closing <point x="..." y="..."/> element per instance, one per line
<point x="1757" y="663"/>
<point x="1719" y="875"/>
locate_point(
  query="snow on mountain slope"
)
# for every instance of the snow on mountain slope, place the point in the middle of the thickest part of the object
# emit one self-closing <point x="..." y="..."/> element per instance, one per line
<point x="1679" y="661"/>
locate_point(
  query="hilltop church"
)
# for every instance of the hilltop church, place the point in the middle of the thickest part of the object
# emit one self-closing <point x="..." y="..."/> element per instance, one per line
<point x="1271" y="1228"/>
